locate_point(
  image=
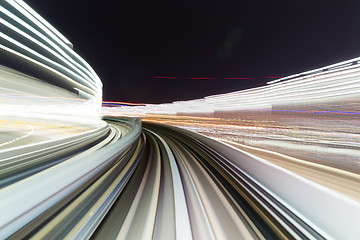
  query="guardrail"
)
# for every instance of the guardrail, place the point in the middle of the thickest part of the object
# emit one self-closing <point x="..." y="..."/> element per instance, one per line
<point x="337" y="66"/>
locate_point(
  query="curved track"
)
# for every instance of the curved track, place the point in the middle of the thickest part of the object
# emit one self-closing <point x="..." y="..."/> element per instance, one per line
<point x="163" y="183"/>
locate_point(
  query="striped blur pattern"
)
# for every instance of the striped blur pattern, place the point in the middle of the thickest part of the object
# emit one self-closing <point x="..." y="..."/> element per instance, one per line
<point x="29" y="44"/>
<point x="331" y="84"/>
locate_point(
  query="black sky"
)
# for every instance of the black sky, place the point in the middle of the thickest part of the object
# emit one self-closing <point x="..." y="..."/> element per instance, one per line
<point x="129" y="42"/>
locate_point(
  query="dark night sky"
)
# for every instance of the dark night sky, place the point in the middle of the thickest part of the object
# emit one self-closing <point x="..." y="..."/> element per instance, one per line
<point x="129" y="42"/>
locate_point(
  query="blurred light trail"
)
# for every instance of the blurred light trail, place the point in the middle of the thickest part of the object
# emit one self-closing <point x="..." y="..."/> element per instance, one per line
<point x="11" y="141"/>
<point x="64" y="173"/>
<point x="113" y="103"/>
<point x="304" y="111"/>
<point x="34" y="50"/>
<point x="21" y="133"/>
<point x="335" y="83"/>
<point x="163" y="77"/>
<point x="46" y="98"/>
<point x="337" y="66"/>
